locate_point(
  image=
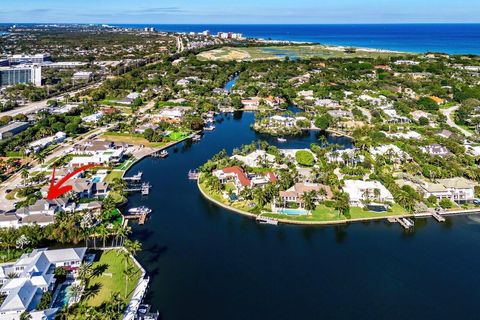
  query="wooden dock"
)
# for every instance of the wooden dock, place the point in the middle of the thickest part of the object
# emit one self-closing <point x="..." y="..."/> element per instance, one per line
<point x="139" y="217"/>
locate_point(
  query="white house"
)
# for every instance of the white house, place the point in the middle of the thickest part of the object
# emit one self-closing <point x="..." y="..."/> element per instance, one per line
<point x="34" y="275"/>
<point x="360" y="190"/>
<point x="255" y="158"/>
<point x="436" y="150"/>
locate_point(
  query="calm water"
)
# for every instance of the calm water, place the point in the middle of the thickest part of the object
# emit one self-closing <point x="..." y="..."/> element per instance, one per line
<point x="208" y="263"/>
<point x="447" y="38"/>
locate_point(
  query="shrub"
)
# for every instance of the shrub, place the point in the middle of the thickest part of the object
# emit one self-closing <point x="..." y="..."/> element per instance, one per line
<point x="304" y="158"/>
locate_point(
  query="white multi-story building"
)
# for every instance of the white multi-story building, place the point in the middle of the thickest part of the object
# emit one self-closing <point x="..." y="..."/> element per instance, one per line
<point x="34" y="275"/>
<point x="21" y="74"/>
<point x="360" y="191"/>
<point x="29" y="58"/>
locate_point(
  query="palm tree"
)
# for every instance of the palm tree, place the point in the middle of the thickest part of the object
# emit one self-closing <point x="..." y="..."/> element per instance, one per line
<point x="377" y="194"/>
<point x="85" y="272"/>
<point x="123" y="232"/>
<point x="132" y="247"/>
<point x="104" y="233"/>
<point x="309" y="200"/>
<point x="9" y="240"/>
<point x="25" y="315"/>
<point x="128" y="272"/>
<point x="24" y="174"/>
<point x="75" y="291"/>
<point x="40" y="157"/>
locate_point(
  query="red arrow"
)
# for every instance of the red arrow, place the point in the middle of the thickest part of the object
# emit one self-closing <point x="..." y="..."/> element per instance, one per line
<point x="56" y="190"/>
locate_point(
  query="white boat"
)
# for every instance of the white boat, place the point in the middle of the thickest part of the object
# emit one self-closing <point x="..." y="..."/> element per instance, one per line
<point x="196" y="138"/>
<point x="163" y="154"/>
<point x="209" y="128"/>
<point x="281" y="140"/>
<point x="140" y="210"/>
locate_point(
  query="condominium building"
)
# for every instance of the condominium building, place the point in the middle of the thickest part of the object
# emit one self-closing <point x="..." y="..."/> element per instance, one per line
<point x="21" y="74"/>
<point x="29" y="58"/>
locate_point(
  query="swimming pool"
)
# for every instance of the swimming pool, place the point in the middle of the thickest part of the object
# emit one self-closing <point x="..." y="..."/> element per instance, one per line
<point x="63" y="297"/>
<point x="293" y="212"/>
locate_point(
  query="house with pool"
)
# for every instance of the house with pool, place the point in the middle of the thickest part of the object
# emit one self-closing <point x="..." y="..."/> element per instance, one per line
<point x="241" y="179"/>
<point x="291" y="201"/>
<point x="24" y="282"/>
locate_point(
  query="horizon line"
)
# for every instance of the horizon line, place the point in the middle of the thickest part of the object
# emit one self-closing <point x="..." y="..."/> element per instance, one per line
<point x="241" y="24"/>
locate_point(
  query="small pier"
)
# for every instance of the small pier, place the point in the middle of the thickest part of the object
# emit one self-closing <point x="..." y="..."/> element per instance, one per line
<point x="438" y="217"/>
<point x="193" y="175"/>
<point x="140" y="218"/>
<point x="265" y="220"/>
<point x="406" y="223"/>
<point x="144" y="188"/>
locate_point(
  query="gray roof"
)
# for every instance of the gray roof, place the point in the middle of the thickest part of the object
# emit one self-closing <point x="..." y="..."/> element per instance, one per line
<point x="39" y="218"/>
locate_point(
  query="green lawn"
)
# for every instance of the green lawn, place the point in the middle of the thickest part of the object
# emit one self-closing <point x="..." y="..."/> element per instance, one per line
<point x="114" y="174"/>
<point x="113" y="279"/>
<point x="324" y="214"/>
<point x="279" y="52"/>
<point x="176" y="136"/>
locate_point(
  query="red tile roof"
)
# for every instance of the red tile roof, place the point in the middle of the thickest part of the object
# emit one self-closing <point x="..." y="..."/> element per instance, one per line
<point x="271" y="176"/>
<point x="241" y="175"/>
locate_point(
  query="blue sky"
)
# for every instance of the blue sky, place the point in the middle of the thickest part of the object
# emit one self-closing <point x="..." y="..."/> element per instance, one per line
<point x="243" y="11"/>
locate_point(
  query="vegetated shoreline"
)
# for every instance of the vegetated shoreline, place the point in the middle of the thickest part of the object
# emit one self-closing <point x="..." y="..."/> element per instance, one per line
<point x="294" y="222"/>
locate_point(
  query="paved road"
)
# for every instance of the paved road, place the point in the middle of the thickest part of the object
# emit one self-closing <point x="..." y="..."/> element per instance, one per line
<point x="36" y="106"/>
<point x="449" y="113"/>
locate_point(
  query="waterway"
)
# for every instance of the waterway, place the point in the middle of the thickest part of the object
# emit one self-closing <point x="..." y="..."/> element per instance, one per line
<point x="208" y="263"/>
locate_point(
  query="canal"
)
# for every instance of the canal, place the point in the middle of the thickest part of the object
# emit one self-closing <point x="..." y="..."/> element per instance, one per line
<point x="208" y="263"/>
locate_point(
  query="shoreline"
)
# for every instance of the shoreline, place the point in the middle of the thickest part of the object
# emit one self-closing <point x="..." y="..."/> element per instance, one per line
<point x="452" y="213"/>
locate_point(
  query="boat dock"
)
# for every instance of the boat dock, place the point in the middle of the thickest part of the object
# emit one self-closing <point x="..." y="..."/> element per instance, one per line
<point x="406" y="223"/>
<point x="193" y="175"/>
<point x="140" y="218"/>
<point x="265" y="220"/>
<point x="438" y="217"/>
<point x="144" y="188"/>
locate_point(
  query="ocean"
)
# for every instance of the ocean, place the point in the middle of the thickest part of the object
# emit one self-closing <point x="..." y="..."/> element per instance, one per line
<point x="446" y="38"/>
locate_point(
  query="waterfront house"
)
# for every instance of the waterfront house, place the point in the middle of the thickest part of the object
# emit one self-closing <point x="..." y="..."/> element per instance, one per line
<point x="233" y="174"/>
<point x="361" y="191"/>
<point x="251" y="103"/>
<point x="461" y="190"/>
<point x="294" y="195"/>
<point x="34" y="275"/>
<point x="242" y="179"/>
